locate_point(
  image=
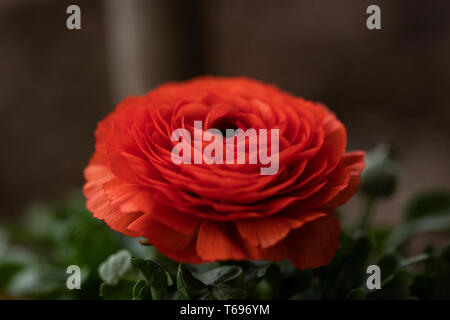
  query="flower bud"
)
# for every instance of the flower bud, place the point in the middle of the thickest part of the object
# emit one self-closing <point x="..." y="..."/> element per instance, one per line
<point x="379" y="178"/>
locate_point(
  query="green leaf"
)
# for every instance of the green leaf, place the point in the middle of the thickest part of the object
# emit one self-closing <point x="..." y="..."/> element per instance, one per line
<point x="220" y="275"/>
<point x="274" y="278"/>
<point x="207" y="296"/>
<point x="223" y="291"/>
<point x="295" y="281"/>
<point x="395" y="288"/>
<point x="254" y="271"/>
<point x="356" y="294"/>
<point x="7" y="271"/>
<point x="262" y="267"/>
<point x="426" y="286"/>
<point x="428" y="203"/>
<point x="156" y="275"/>
<point x="434" y="281"/>
<point x="122" y="290"/>
<point x="142" y="291"/>
<point x="378" y="237"/>
<point x="347" y="269"/>
<point x="437" y="223"/>
<point x="388" y="265"/>
<point x="116" y="267"/>
<point x="188" y="286"/>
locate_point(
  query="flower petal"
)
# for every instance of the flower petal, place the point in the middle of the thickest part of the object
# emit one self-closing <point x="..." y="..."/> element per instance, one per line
<point x="214" y="242"/>
<point x="175" y="245"/>
<point x="315" y="243"/>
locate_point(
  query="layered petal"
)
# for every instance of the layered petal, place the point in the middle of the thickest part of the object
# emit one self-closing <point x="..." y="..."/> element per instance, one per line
<point x="201" y="212"/>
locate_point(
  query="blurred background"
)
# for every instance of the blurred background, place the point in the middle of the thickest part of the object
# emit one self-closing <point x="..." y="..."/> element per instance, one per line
<point x="391" y="84"/>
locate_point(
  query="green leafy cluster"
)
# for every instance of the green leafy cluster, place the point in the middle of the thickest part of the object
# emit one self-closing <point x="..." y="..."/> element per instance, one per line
<point x="35" y="253"/>
<point x="127" y="277"/>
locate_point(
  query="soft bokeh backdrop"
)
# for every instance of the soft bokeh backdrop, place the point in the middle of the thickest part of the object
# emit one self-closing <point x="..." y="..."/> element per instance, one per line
<point x="56" y="84"/>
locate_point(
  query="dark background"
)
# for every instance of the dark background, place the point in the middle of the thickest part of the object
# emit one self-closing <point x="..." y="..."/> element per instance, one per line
<point x="55" y="84"/>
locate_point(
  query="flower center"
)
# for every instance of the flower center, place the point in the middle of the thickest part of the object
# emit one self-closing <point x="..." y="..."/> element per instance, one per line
<point x="224" y="125"/>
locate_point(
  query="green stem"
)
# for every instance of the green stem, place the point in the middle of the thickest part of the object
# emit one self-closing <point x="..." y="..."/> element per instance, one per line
<point x="367" y="211"/>
<point x="410" y="261"/>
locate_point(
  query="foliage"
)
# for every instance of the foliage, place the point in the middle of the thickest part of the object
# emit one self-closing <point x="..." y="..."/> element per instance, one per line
<point x="35" y="254"/>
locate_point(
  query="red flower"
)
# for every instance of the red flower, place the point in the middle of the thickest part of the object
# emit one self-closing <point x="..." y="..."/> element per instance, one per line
<point x="206" y="212"/>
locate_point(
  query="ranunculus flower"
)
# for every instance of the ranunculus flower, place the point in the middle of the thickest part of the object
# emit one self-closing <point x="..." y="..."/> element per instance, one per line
<point x="197" y="213"/>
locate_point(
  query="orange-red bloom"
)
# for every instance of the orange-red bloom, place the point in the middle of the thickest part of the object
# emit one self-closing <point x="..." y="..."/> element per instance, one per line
<point x="200" y="213"/>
